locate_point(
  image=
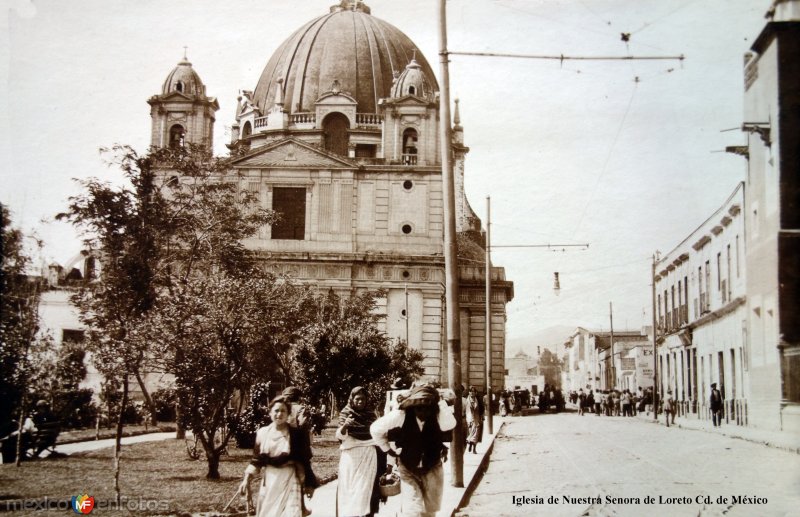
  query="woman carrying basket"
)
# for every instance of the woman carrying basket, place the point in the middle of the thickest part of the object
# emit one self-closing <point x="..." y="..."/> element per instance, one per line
<point x="361" y="462"/>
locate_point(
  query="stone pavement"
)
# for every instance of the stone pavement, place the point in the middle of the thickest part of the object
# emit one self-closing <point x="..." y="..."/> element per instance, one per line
<point x="777" y="439"/>
<point x="323" y="503"/>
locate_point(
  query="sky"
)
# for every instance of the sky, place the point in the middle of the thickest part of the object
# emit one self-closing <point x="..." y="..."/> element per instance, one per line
<point x="625" y="156"/>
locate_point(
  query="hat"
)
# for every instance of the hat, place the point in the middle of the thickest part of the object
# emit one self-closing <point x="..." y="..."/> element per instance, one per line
<point x="42" y="403"/>
<point x="713" y="384"/>
<point x="421" y="396"/>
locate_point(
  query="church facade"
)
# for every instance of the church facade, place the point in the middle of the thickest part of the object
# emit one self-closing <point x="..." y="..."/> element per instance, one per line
<point x="340" y="137"/>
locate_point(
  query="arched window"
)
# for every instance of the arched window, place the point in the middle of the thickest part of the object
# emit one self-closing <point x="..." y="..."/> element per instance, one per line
<point x="179" y="86"/>
<point x="334" y="131"/>
<point x="412" y="90"/>
<point x="410" y="146"/>
<point x="247" y="130"/>
<point x="176" y="136"/>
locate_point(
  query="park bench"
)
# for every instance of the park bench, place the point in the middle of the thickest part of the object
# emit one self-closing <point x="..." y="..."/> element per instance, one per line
<point x="33" y="444"/>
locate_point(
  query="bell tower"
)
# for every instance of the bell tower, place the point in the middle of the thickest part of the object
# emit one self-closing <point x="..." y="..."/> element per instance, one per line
<point x="182" y="113"/>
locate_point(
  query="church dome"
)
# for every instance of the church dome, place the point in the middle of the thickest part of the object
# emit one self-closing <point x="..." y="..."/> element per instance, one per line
<point x="412" y="82"/>
<point x="363" y="53"/>
<point x="183" y="79"/>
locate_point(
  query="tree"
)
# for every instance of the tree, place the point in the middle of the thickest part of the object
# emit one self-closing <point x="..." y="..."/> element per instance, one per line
<point x="220" y="333"/>
<point x="19" y="325"/>
<point x="343" y="347"/>
<point x="550" y="367"/>
<point x="179" y="212"/>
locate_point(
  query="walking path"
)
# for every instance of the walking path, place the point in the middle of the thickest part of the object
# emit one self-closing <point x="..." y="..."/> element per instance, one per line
<point x="324" y="500"/>
<point x="93" y="445"/>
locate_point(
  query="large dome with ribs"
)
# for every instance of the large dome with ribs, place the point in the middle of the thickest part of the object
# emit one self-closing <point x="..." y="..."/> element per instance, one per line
<point x="348" y="45"/>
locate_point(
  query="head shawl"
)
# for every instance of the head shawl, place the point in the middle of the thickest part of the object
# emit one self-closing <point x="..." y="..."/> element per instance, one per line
<point x="359" y="429"/>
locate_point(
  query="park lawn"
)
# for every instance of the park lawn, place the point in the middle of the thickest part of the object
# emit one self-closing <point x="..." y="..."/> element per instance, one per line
<point x="160" y="474"/>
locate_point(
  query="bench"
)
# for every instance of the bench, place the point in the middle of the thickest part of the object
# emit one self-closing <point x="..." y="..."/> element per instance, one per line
<point x="33" y="444"/>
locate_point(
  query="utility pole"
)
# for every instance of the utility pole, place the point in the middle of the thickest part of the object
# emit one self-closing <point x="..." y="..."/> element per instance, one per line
<point x="488" y="274"/>
<point x="655" y="338"/>
<point x="613" y="359"/>
<point x="450" y="256"/>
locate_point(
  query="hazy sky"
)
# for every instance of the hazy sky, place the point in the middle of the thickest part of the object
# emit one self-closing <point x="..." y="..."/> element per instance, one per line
<point x="623" y="155"/>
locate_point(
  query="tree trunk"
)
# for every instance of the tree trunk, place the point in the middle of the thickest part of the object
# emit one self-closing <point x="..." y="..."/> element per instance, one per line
<point x="118" y="438"/>
<point x="212" y="457"/>
<point x="20" y="438"/>
<point x="148" y="400"/>
<point x="180" y="433"/>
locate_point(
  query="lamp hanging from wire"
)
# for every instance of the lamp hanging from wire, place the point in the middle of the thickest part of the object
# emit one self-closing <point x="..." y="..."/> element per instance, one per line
<point x="556" y="284"/>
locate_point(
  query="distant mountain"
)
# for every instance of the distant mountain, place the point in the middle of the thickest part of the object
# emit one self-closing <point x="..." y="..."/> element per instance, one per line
<point x="550" y="337"/>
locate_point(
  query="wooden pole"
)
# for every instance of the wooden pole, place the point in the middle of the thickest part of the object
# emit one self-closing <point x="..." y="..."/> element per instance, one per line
<point x="450" y="257"/>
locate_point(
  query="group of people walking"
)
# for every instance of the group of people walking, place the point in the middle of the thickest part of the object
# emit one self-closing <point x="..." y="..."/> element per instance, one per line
<point x="416" y="426"/>
<point x="612" y="402"/>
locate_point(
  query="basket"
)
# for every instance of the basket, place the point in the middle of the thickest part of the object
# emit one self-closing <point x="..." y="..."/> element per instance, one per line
<point x="392" y="487"/>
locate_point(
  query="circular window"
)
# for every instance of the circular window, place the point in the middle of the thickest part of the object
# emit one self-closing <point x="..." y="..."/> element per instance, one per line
<point x="403" y="313"/>
<point x="408" y="184"/>
<point x="406" y="274"/>
<point x="406" y="229"/>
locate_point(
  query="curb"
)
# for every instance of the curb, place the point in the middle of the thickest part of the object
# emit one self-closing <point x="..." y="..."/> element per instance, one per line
<point x="478" y="475"/>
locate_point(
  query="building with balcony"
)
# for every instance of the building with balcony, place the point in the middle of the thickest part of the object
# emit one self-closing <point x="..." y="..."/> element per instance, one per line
<point x="340" y="137"/>
<point x="700" y="293"/>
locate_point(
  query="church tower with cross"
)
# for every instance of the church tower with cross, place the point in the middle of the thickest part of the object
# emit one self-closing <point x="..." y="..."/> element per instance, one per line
<point x="182" y="112"/>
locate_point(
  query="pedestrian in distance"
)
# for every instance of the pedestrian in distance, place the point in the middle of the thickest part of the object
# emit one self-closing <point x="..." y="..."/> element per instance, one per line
<point x="715" y="404"/>
<point x="416" y="427"/>
<point x="361" y="462"/>
<point x="670" y="407"/>
<point x="282" y="452"/>
<point x="581" y="402"/>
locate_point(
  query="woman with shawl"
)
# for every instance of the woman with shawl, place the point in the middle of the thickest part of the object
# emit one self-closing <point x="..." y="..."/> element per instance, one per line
<point x="472" y="411"/>
<point x="282" y="453"/>
<point x="361" y="462"/>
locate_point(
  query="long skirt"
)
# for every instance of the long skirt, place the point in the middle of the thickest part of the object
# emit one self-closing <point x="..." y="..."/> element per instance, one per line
<point x="279" y="494"/>
<point x="475" y="429"/>
<point x="357" y="469"/>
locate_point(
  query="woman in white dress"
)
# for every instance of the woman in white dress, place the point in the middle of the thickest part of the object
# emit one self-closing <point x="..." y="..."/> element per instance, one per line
<point x="282" y="453"/>
<point x="359" y="464"/>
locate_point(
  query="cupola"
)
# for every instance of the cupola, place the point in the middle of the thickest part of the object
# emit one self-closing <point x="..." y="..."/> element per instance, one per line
<point x="412" y="82"/>
<point x="182" y="113"/>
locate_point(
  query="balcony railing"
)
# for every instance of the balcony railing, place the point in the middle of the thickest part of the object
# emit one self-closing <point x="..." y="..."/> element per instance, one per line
<point x="369" y="120"/>
<point x="409" y="159"/>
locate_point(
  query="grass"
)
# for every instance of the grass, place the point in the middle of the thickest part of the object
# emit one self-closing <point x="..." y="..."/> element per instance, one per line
<point x="160" y="474"/>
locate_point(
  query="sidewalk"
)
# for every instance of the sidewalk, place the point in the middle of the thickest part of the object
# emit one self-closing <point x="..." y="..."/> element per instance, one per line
<point x="777" y="439"/>
<point x="324" y="501"/>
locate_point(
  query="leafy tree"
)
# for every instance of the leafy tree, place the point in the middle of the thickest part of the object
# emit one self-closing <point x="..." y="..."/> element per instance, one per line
<point x="343" y="347"/>
<point x="550" y="368"/>
<point x="219" y="334"/>
<point x="179" y="212"/>
<point x="19" y="324"/>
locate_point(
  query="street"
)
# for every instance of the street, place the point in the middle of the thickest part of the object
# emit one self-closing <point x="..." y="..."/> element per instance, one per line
<point x="570" y="465"/>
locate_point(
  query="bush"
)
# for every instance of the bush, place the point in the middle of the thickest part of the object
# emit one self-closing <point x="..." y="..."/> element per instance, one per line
<point x="165" y="400"/>
<point x="76" y="408"/>
<point x="255" y="416"/>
